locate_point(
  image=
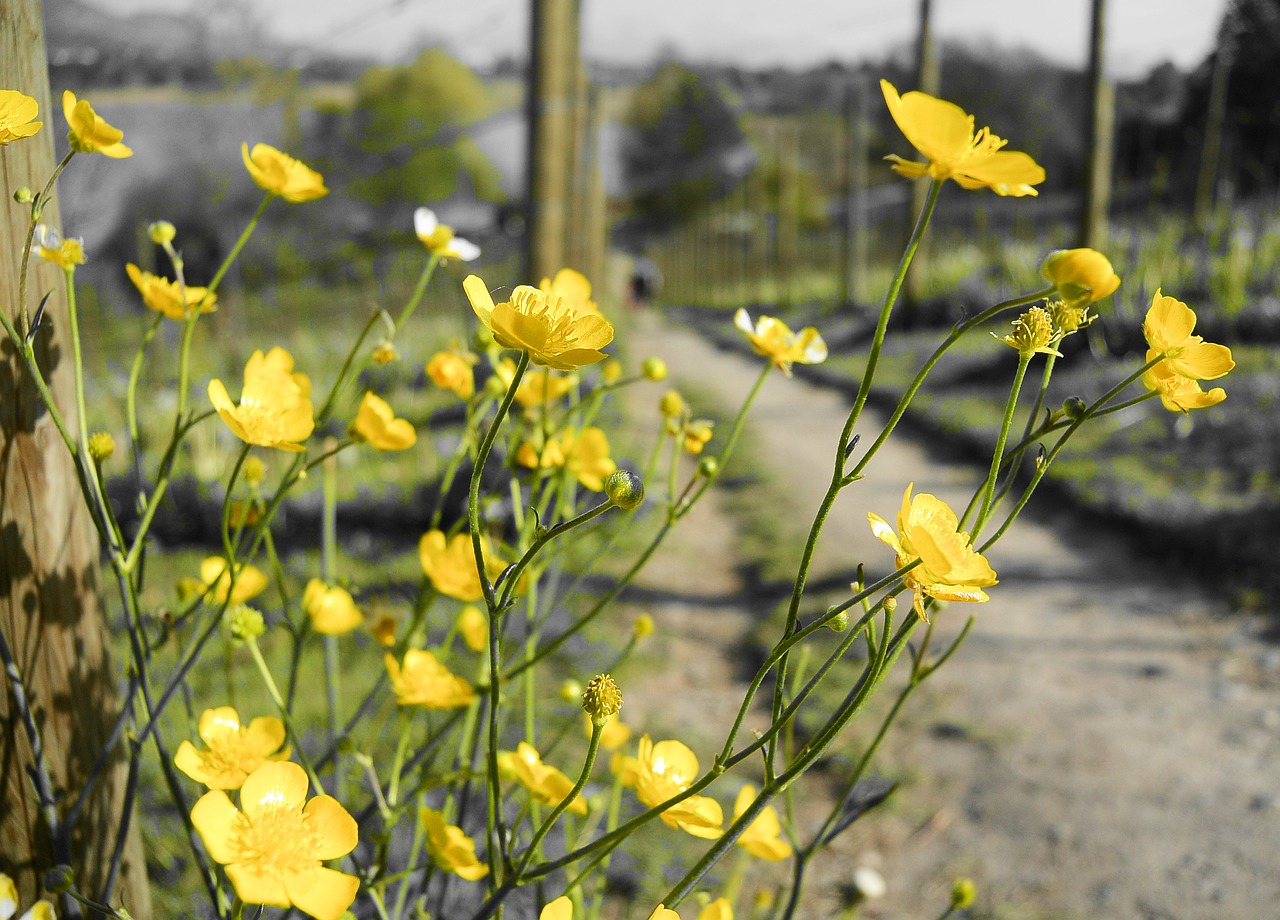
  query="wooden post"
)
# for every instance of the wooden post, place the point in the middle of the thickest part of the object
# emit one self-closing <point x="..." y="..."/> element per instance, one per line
<point x="852" y="257"/>
<point x="928" y="80"/>
<point x="554" y="35"/>
<point x="596" y="219"/>
<point x="1216" y="117"/>
<point x="51" y="611"/>
<point x="1099" y="138"/>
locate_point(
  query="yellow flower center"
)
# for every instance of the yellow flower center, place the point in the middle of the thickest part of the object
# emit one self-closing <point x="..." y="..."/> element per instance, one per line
<point x="553" y="313"/>
<point x="278" y="839"/>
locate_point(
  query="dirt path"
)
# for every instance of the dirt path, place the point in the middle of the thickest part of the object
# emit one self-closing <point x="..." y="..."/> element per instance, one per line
<point x="1107" y="742"/>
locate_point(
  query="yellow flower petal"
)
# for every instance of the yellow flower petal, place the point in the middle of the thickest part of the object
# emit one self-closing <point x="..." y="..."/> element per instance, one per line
<point x="550" y="330"/>
<point x="559" y="909"/>
<point x="377" y="425"/>
<point x="424" y="681"/>
<point x="321" y="892"/>
<point x="88" y="132"/>
<point x="282" y="175"/>
<point x="17" y="114"/>
<point x="335" y="830"/>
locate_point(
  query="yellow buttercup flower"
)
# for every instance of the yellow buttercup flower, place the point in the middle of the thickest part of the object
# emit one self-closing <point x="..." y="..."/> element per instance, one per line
<point x="451" y="564"/>
<point x="552" y="332"/>
<point x="250" y="581"/>
<point x="450" y="847"/>
<point x="474" y="627"/>
<point x="585" y="455"/>
<point x="537" y="388"/>
<point x="573" y="288"/>
<point x="165" y="296"/>
<point x="559" y="909"/>
<point x="696" y="434"/>
<point x="49" y="245"/>
<point x="376" y="424"/>
<point x="950" y="568"/>
<point x="17" y="116"/>
<point x="1178" y="393"/>
<point x="1168" y="329"/>
<point x="667" y="769"/>
<point x="282" y="175"/>
<point x="1082" y="276"/>
<point x="452" y="370"/>
<point x="719" y="909"/>
<point x="661" y="912"/>
<point x="943" y="133"/>
<point x="424" y="681"/>
<point x="440" y="240"/>
<point x="773" y="339"/>
<point x="275" y="407"/>
<point x="41" y="910"/>
<point x="544" y="782"/>
<point x="232" y="751"/>
<point x="763" y="836"/>
<point x="275" y="844"/>
<point x="90" y="134"/>
<point x="332" y="609"/>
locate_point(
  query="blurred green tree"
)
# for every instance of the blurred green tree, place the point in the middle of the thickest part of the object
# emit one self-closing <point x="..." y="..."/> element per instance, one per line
<point x="408" y="127"/>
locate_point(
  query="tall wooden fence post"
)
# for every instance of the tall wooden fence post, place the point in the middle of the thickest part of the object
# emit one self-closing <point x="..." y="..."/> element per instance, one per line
<point x="1099" y="138"/>
<point x="51" y="611"/>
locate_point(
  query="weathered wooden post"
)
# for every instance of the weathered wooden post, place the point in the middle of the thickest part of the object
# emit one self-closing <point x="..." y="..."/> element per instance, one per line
<point x="928" y="80"/>
<point x="51" y="611"/>
<point x="1099" y="138"/>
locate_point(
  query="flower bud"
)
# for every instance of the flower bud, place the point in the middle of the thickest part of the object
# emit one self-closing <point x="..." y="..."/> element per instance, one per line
<point x="571" y="691"/>
<point x="868" y="884"/>
<point x="890" y="603"/>
<point x="60" y="879"/>
<point x="244" y="623"/>
<point x="840" y="622"/>
<point x="1081" y="276"/>
<point x="624" y="489"/>
<point x="611" y="370"/>
<point x="23" y="195"/>
<point x="643" y="627"/>
<point x="654" y="369"/>
<point x="384" y="352"/>
<point x="254" y="471"/>
<point x="1073" y="407"/>
<point x="672" y="404"/>
<point x="161" y="232"/>
<point x="602" y="698"/>
<point x="709" y="467"/>
<point x="963" y="893"/>
<point x="101" y="446"/>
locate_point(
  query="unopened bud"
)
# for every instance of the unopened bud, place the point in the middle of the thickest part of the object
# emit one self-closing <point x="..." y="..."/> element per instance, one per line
<point x="839" y="623"/>
<point x="60" y="879"/>
<point x="1074" y="407"/>
<point x="654" y="369"/>
<point x="244" y="623"/>
<point x="101" y="446"/>
<point x="709" y="467"/>
<point x="963" y="893"/>
<point x="624" y="489"/>
<point x="602" y="698"/>
<point x="23" y="195"/>
<point x="611" y="370"/>
<point x="254" y="471"/>
<point x="384" y="352"/>
<point x="890" y="603"/>
<point x="672" y="404"/>
<point x="161" y="232"/>
<point x="643" y="627"/>
<point x="571" y="691"/>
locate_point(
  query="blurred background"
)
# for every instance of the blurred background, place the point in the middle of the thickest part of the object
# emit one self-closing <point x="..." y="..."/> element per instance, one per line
<point x="700" y="157"/>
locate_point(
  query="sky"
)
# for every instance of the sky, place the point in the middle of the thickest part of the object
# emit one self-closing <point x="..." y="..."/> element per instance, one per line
<point x="1140" y="33"/>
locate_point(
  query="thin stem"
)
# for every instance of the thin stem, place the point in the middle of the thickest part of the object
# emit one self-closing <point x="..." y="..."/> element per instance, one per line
<point x="989" y="491"/>
<point x="597" y="729"/>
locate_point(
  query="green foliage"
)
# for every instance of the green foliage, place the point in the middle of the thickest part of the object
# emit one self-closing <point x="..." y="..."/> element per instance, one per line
<point x="408" y="125"/>
<point x="686" y="148"/>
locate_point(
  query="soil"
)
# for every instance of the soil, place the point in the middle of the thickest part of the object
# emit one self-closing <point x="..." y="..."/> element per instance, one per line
<point x="1106" y="744"/>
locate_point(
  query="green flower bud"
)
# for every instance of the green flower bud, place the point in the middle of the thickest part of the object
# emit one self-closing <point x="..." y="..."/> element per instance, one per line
<point x="24" y="195"/>
<point x="101" y="446"/>
<point x="654" y="369"/>
<point x="244" y="623"/>
<point x="60" y="879"/>
<point x="624" y="489"/>
<point x="1073" y="408"/>
<point x="709" y="467"/>
<point x="161" y="232"/>
<point x="570" y="691"/>
<point x="840" y="622"/>
<point x="963" y="893"/>
<point x="643" y="627"/>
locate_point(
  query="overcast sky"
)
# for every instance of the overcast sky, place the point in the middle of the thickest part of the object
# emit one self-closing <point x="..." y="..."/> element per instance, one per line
<point x="1140" y="33"/>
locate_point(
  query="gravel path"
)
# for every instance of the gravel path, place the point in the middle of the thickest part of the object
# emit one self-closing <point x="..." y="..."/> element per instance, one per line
<point x="1106" y="743"/>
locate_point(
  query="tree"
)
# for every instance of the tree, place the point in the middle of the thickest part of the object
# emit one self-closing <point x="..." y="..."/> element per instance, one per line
<point x="686" y="148"/>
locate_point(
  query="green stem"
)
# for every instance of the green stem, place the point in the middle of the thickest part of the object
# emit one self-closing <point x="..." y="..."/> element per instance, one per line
<point x="418" y="291"/>
<point x="270" y="683"/>
<point x="597" y="729"/>
<point x="997" y="455"/>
